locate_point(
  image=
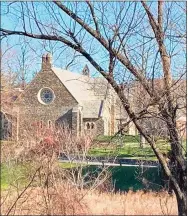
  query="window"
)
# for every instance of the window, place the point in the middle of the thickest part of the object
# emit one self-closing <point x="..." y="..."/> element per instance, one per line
<point x="90" y="125"/>
<point x="46" y="96"/>
<point x="49" y="124"/>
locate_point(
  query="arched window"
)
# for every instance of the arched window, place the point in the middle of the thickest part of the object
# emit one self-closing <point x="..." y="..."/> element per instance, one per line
<point x="87" y="125"/>
<point x="49" y="124"/>
<point x="92" y="125"/>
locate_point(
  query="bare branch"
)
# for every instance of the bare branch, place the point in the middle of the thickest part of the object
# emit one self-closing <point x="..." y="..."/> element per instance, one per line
<point x="93" y="15"/>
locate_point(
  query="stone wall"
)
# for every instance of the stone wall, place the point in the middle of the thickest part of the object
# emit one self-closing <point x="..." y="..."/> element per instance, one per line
<point x="65" y="120"/>
<point x="98" y="126"/>
<point x="32" y="112"/>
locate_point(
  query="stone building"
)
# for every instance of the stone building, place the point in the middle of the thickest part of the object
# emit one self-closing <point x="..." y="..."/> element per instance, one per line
<point x="83" y="104"/>
<point x="57" y="97"/>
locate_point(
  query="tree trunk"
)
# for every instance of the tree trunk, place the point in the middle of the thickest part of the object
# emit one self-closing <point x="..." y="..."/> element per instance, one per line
<point x="142" y="141"/>
<point x="178" y="167"/>
<point x="181" y="176"/>
<point x="182" y="204"/>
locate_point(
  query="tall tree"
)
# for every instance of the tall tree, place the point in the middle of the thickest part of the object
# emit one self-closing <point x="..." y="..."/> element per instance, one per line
<point x="127" y="43"/>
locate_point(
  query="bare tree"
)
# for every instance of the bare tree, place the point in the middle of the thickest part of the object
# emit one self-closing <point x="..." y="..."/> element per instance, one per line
<point x="126" y="42"/>
<point x="62" y="189"/>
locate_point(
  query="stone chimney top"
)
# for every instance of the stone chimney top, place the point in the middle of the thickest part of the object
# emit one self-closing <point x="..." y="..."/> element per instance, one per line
<point x="47" y="61"/>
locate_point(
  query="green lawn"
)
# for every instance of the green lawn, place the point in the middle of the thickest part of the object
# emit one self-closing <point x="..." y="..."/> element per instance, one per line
<point x="117" y="139"/>
<point x="19" y="174"/>
<point x="14" y="174"/>
<point x="127" y="146"/>
<point x="69" y="165"/>
<point x="129" y="151"/>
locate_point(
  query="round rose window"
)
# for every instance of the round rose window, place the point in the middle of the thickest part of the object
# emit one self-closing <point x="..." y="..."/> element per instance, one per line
<point x="46" y="95"/>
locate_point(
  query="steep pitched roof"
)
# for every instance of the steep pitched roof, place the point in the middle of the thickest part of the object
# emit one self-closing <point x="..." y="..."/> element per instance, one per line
<point x="88" y="91"/>
<point x="83" y="88"/>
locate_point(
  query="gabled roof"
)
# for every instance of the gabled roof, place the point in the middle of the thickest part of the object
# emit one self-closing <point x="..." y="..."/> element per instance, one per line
<point x="76" y="84"/>
<point x="82" y="87"/>
<point x="88" y="91"/>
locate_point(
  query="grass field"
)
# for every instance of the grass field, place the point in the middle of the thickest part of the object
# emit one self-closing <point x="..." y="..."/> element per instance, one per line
<point x="66" y="201"/>
<point x="19" y="174"/>
<point x="14" y="174"/>
<point x="117" y="139"/>
<point x="127" y="146"/>
<point x="68" y="165"/>
<point x="129" y="151"/>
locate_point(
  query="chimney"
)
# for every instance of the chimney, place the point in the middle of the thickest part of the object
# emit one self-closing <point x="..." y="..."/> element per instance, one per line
<point x="43" y="61"/>
<point x="85" y="71"/>
<point x="47" y="61"/>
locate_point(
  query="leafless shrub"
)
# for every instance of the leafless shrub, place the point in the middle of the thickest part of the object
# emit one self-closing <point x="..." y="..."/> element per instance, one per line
<point x="61" y="190"/>
<point x="67" y="201"/>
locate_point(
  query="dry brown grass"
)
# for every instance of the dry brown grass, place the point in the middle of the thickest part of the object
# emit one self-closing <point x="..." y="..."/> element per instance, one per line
<point x="68" y="201"/>
<point x="45" y="201"/>
<point x="62" y="192"/>
<point x="131" y="203"/>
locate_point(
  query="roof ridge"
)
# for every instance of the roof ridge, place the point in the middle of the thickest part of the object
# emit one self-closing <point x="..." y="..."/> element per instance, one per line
<point x="77" y="84"/>
<point x="71" y="72"/>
